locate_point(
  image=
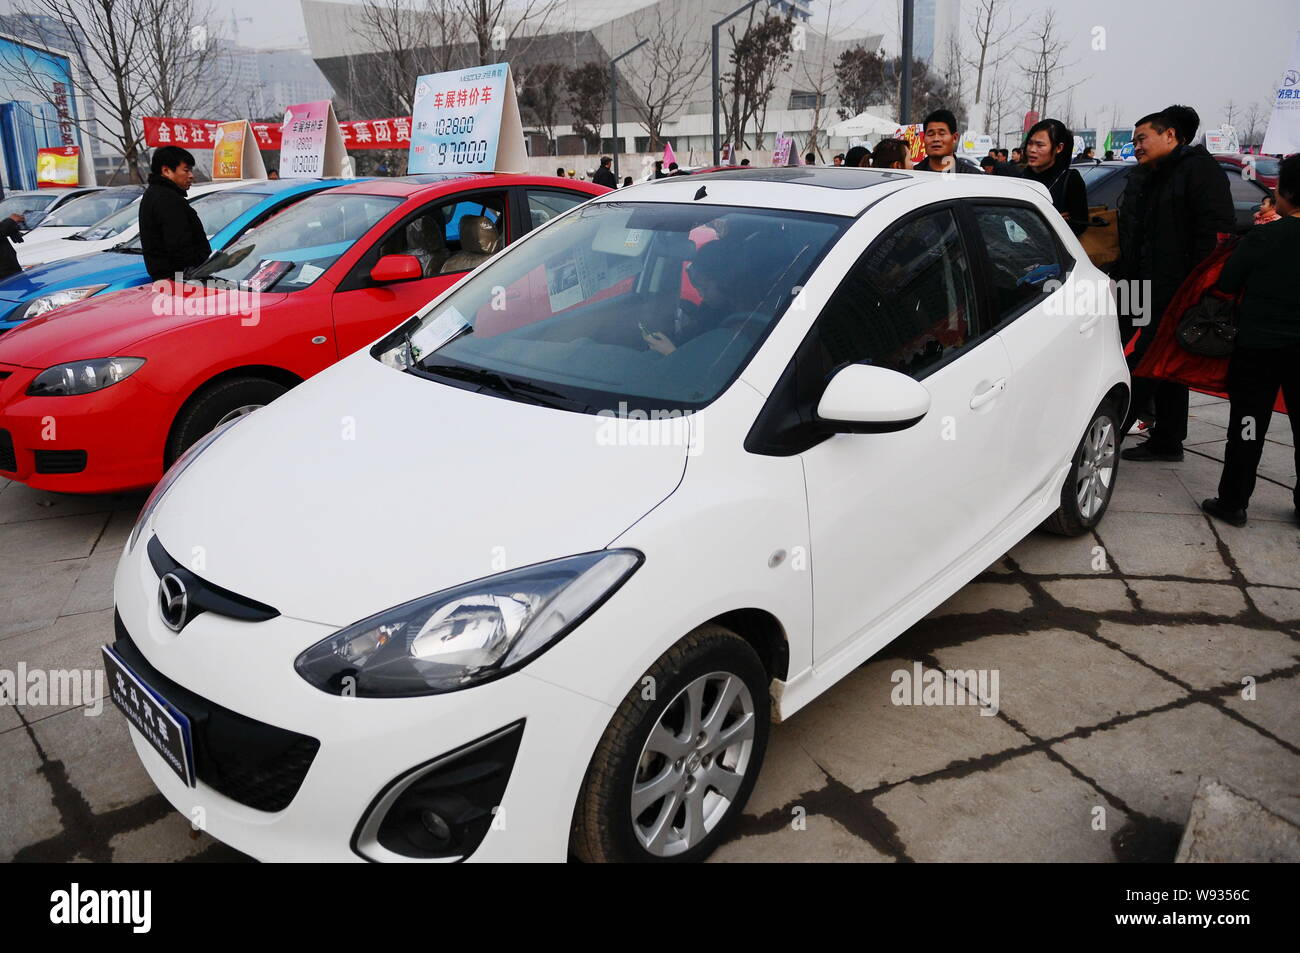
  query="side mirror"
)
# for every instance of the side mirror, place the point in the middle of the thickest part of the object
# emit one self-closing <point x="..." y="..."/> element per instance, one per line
<point x="392" y="268"/>
<point x="864" y="399"/>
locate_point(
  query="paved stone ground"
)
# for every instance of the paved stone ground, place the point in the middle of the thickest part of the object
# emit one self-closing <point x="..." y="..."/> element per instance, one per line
<point x="1120" y="685"/>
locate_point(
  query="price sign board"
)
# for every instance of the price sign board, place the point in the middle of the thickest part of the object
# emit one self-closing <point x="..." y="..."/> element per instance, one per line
<point x="311" y="145"/>
<point x="234" y="152"/>
<point x="467" y="121"/>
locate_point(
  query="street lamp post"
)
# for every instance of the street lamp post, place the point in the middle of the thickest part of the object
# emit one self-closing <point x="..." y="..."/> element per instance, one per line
<point x="613" y="101"/>
<point x="717" y="80"/>
<point x="905" y="94"/>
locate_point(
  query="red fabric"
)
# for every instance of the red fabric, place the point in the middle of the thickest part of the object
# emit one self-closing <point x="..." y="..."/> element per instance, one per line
<point x="1166" y="359"/>
<point x="392" y="133"/>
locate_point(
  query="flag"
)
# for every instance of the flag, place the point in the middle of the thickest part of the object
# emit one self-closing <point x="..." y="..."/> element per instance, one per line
<point x="669" y="158"/>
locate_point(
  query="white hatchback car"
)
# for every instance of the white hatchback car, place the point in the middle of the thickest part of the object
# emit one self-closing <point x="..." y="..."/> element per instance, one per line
<point x="530" y="577"/>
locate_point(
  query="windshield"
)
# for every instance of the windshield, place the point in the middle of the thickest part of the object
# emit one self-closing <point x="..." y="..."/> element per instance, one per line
<point x="1096" y="174"/>
<point x="216" y="211"/>
<point x="21" y="204"/>
<point x="293" y="249"/>
<point x="1269" y="167"/>
<point x="618" y="306"/>
<point x="113" y="225"/>
<point x="91" y="208"/>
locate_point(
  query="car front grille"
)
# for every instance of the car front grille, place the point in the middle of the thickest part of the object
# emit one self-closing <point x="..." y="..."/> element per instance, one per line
<point x="8" y="461"/>
<point x="60" y="461"/>
<point x="249" y="761"/>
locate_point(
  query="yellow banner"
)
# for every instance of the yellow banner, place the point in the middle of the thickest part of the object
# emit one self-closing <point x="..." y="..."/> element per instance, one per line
<point x="228" y="150"/>
<point x="57" y="166"/>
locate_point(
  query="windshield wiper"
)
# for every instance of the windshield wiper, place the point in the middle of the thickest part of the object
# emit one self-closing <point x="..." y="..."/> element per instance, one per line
<point x="509" y="386"/>
<point x="123" y="248"/>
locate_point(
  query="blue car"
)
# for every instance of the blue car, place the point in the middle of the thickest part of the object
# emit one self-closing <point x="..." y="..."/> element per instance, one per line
<point x="226" y="215"/>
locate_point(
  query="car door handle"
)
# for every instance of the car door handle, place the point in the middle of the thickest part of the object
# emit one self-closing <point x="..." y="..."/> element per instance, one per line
<point x="991" y="393"/>
<point x="1089" y="324"/>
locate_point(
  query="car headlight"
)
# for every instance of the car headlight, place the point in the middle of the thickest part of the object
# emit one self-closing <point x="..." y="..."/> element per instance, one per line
<point x="83" y="377"/>
<point x="468" y="634"/>
<point x="173" y="474"/>
<point x="47" y="303"/>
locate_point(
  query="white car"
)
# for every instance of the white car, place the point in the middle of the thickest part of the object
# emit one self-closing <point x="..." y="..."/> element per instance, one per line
<point x="82" y="212"/>
<point x="529" y="577"/>
<point x="35" y="204"/>
<point x="121" y="227"/>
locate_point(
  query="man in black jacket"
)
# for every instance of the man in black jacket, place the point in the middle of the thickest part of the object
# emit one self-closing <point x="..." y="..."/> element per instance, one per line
<point x="604" y="175"/>
<point x="941" y="140"/>
<point x="10" y="232"/>
<point x="171" y="234"/>
<point x="1176" y="207"/>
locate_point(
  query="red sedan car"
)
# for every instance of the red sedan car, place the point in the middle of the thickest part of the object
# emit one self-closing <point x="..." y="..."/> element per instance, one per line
<point x="103" y="396"/>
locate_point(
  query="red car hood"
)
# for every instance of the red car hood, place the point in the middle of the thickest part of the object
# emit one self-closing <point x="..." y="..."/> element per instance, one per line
<point x="106" y="327"/>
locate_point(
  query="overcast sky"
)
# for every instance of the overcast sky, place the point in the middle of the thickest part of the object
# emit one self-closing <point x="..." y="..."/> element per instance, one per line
<point x="1200" y="52"/>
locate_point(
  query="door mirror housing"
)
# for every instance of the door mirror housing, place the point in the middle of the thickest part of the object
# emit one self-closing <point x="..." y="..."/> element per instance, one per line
<point x="392" y="268"/>
<point x="862" y="398"/>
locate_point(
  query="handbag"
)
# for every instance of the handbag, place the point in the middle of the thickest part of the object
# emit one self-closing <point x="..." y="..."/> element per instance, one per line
<point x="1208" y="327"/>
<point x="1100" y="239"/>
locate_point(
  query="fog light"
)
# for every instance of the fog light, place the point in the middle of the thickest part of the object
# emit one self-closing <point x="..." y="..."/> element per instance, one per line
<point x="441" y="810"/>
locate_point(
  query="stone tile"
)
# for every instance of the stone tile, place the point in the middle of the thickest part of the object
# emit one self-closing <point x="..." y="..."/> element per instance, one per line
<point x="1150" y="544"/>
<point x="1280" y="604"/>
<point x="1217" y="413"/>
<point x="1205" y="656"/>
<point x="788" y="772"/>
<point x="21" y="503"/>
<point x="94" y="588"/>
<point x="1093" y="595"/>
<point x="9" y="719"/>
<point x="1153" y="763"/>
<point x="1225" y="826"/>
<point x="1141" y="488"/>
<point x="98" y="756"/>
<point x="44" y="540"/>
<point x="166" y="840"/>
<point x="1026" y="809"/>
<point x="29" y="812"/>
<point x="33" y="594"/>
<point x="1042" y="553"/>
<point x="985" y="596"/>
<point x="1274" y="708"/>
<point x="1162" y="595"/>
<point x="1056" y="681"/>
<point x="1267" y="554"/>
<point x="1197" y="399"/>
<point x="1279" y="430"/>
<point x="71" y="643"/>
<point x="864" y="740"/>
<point x="1270" y="502"/>
<point x="823" y="840"/>
<point x="118" y="531"/>
<point x="1201" y="433"/>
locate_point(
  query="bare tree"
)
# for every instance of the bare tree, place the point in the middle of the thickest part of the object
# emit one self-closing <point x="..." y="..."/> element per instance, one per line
<point x="997" y="103"/>
<point x="540" y="96"/>
<point x="1230" y="113"/>
<point x="107" y="43"/>
<point x="494" y="25"/>
<point x="860" y="76"/>
<point x="400" y="40"/>
<point x="1045" y="50"/>
<point x="952" y="75"/>
<point x="587" y="88"/>
<point x="180" y="56"/>
<point x="1251" y="122"/>
<point x="990" y="31"/>
<point x="819" y="83"/>
<point x="758" y="57"/>
<point x="662" y="73"/>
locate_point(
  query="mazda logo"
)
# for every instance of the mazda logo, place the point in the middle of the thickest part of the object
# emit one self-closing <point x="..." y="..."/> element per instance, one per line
<point x="173" y="601"/>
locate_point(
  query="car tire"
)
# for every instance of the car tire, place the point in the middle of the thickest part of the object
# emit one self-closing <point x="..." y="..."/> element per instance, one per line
<point x="1091" y="481"/>
<point x="215" y="405"/>
<point x="712" y="662"/>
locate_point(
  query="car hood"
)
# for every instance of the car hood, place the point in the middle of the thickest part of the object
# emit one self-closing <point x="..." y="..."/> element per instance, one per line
<point x="103" y="268"/>
<point x="102" y="326"/>
<point x="364" y="488"/>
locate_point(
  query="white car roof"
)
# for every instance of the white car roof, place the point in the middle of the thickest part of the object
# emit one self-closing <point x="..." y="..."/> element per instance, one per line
<point x="827" y="189"/>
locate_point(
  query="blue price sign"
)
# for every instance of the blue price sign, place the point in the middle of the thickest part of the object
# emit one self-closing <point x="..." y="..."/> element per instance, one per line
<point x="466" y="121"/>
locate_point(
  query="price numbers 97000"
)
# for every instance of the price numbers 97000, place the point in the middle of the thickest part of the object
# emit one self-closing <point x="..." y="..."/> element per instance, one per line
<point x="465" y="152"/>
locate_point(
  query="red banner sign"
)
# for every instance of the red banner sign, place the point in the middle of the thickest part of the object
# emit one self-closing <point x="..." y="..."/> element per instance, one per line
<point x="392" y="133"/>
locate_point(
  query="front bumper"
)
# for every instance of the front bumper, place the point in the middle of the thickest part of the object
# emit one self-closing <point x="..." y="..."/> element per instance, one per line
<point x="365" y="743"/>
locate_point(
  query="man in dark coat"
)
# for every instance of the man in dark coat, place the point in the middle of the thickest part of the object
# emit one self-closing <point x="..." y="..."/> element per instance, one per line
<point x="1176" y="207"/>
<point x="941" y="145"/>
<point x="10" y="232"/>
<point x="171" y="234"/>
<point x="604" y="175"/>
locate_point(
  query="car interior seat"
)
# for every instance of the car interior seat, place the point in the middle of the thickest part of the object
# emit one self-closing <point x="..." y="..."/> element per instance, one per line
<point x="479" y="241"/>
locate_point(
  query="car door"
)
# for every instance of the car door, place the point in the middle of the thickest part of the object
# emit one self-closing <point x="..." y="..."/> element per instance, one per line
<point x="1050" y="326"/>
<point x="1247" y="197"/>
<point x="450" y="236"/>
<point x="889" y="512"/>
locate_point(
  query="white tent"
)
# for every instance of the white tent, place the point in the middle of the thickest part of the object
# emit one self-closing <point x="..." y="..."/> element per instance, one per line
<point x="862" y="126"/>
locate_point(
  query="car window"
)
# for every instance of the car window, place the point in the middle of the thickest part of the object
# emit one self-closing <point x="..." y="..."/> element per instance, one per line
<point x="593" y="310"/>
<point x="216" y="211"/>
<point x="545" y="204"/>
<point x="113" y="225"/>
<point x="22" y="204"/>
<point x="1022" y="255"/>
<point x="1245" y="193"/>
<point x="291" y="250"/>
<point x="1104" y="184"/>
<point x="905" y="305"/>
<point x="86" y="210"/>
<point x="448" y="237"/>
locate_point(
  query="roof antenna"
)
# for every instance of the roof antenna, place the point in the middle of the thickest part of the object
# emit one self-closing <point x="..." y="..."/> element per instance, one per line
<point x="700" y="194"/>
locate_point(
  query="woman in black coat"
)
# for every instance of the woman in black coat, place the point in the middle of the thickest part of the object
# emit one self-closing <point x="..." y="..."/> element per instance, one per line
<point x="1047" y="151"/>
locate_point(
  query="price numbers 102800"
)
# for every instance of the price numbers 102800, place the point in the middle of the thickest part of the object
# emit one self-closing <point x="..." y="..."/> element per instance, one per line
<point x="465" y="152"/>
